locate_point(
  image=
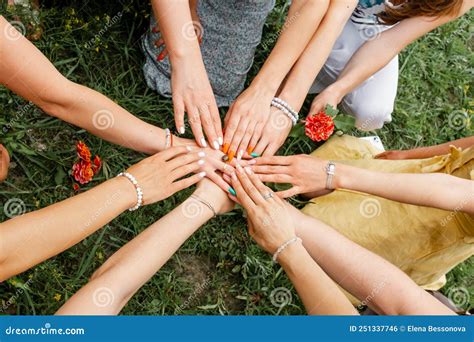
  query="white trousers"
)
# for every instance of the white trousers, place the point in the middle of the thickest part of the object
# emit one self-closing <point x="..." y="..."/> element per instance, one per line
<point x="373" y="101"/>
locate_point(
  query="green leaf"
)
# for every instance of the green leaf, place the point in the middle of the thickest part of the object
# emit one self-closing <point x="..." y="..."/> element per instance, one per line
<point x="60" y="175"/>
<point x="297" y="131"/>
<point x="331" y="111"/>
<point x="344" y="122"/>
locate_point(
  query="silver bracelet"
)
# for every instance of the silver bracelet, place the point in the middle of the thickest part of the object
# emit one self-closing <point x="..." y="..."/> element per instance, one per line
<point x="330" y="171"/>
<point x="137" y="189"/>
<point x="286" y="111"/>
<point x="287" y="106"/>
<point x="207" y="204"/>
<point x="282" y="247"/>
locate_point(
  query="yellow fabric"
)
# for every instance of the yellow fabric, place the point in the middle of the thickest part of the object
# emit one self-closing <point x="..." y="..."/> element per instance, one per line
<point x="425" y="243"/>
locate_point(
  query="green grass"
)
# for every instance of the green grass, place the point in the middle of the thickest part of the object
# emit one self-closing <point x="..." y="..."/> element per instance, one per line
<point x="237" y="277"/>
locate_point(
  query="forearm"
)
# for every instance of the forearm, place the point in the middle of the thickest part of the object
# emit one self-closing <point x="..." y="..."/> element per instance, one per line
<point x="134" y="264"/>
<point x="367" y="276"/>
<point x="36" y="236"/>
<point x="312" y="60"/>
<point x="438" y="150"/>
<point x="436" y="190"/>
<point x="174" y="16"/>
<point x="302" y="21"/>
<point x="319" y="293"/>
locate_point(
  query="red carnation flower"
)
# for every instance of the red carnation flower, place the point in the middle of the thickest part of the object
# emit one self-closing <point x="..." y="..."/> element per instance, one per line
<point x="83" y="151"/>
<point x="319" y="127"/>
<point x="84" y="169"/>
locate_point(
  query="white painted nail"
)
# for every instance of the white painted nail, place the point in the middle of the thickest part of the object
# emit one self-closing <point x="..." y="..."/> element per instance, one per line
<point x="202" y="174"/>
<point x="220" y="140"/>
<point x="240" y="154"/>
<point x="181" y="130"/>
<point x="216" y="145"/>
<point x="201" y="154"/>
<point x="201" y="162"/>
<point x="203" y="142"/>
<point x="189" y="148"/>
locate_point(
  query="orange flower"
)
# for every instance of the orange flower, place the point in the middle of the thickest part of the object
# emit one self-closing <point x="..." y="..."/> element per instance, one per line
<point x="96" y="164"/>
<point x="319" y="127"/>
<point x="82" y="171"/>
<point x="83" y="151"/>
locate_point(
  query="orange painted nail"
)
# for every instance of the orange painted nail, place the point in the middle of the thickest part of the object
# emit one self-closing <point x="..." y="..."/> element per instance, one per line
<point x="225" y="148"/>
<point x="250" y="150"/>
<point x="161" y="56"/>
<point x="231" y="155"/>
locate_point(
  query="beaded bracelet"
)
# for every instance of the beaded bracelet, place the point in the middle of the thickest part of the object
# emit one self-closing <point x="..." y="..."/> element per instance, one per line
<point x="168" y="138"/>
<point x="282" y="247"/>
<point x="286" y="111"/>
<point x="137" y="189"/>
<point x="287" y="106"/>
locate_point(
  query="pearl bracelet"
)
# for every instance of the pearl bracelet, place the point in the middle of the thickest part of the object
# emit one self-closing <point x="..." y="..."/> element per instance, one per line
<point x="285" y="108"/>
<point x="282" y="248"/>
<point x="168" y="138"/>
<point x="137" y="189"/>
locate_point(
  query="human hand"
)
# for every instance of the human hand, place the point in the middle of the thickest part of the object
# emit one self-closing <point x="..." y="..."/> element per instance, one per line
<point x="4" y="163"/>
<point x="329" y="96"/>
<point x="307" y="174"/>
<point x="392" y="155"/>
<point x="274" y="134"/>
<point x="245" y="121"/>
<point x="270" y="223"/>
<point x="158" y="176"/>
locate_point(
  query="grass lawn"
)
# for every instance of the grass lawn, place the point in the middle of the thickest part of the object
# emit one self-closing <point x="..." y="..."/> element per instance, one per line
<point x="220" y="270"/>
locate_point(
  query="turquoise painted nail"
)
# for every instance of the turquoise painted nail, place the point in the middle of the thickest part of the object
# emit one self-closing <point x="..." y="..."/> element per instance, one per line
<point x="232" y="191"/>
<point x="254" y="155"/>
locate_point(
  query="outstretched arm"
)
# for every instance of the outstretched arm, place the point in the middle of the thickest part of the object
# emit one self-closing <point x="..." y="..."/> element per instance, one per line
<point x="377" y="53"/>
<point x="36" y="236"/>
<point x="27" y="72"/>
<point x="370" y="278"/>
<point x="133" y="265"/>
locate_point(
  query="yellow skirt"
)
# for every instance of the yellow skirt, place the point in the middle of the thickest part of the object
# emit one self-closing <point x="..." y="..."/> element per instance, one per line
<point x="425" y="243"/>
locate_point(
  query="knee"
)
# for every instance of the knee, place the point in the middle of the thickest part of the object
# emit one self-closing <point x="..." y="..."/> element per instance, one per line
<point x="371" y="115"/>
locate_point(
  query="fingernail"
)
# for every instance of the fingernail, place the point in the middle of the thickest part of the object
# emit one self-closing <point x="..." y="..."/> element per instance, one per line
<point x="161" y="56"/>
<point x="254" y="155"/>
<point x="181" y="130"/>
<point x="201" y="162"/>
<point x="232" y="191"/>
<point x="189" y="148"/>
<point x="231" y="155"/>
<point x="248" y="170"/>
<point x="201" y="154"/>
<point x="216" y="145"/>
<point x="252" y="162"/>
<point x="250" y="150"/>
<point x="155" y="29"/>
<point x="225" y="148"/>
<point x="240" y="154"/>
<point x="220" y="140"/>
<point x="202" y="174"/>
<point x="203" y="142"/>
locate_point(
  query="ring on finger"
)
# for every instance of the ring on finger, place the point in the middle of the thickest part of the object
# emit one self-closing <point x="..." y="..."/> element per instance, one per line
<point x="267" y="196"/>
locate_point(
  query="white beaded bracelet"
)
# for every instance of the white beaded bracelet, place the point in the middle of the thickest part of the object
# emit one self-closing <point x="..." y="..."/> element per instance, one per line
<point x="286" y="111"/>
<point x="282" y="247"/>
<point x="137" y="189"/>
<point x="287" y="106"/>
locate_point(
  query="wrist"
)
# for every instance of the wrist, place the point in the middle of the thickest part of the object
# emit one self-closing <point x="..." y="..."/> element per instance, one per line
<point x="127" y="195"/>
<point x="267" y="86"/>
<point x="338" y="89"/>
<point x="189" y="54"/>
<point x="291" y="256"/>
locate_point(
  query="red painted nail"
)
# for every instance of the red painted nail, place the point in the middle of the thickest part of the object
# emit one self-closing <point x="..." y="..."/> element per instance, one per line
<point x="155" y="29"/>
<point x="161" y="56"/>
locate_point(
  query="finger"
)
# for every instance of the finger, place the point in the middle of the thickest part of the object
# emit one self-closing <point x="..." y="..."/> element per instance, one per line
<point x="382" y="155"/>
<point x="185" y="170"/>
<point x="227" y="178"/>
<point x="172" y="152"/>
<point x="159" y="42"/>
<point x="262" y="188"/>
<point x="241" y="195"/>
<point x="155" y="29"/>
<point x="216" y="119"/>
<point x="219" y="181"/>
<point x="316" y="107"/>
<point x="208" y="125"/>
<point x="223" y="167"/>
<point x="288" y="193"/>
<point x="271" y="149"/>
<point x="270" y="169"/>
<point x="235" y="199"/>
<point x="249" y="187"/>
<point x="230" y="128"/>
<point x="261" y="146"/>
<point x="276" y="178"/>
<point x="237" y="138"/>
<point x="178" y="107"/>
<point x="243" y="146"/>
<point x="257" y="135"/>
<point x="187" y="182"/>
<point x="273" y="160"/>
<point x="181" y="160"/>
<point x="195" y="122"/>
